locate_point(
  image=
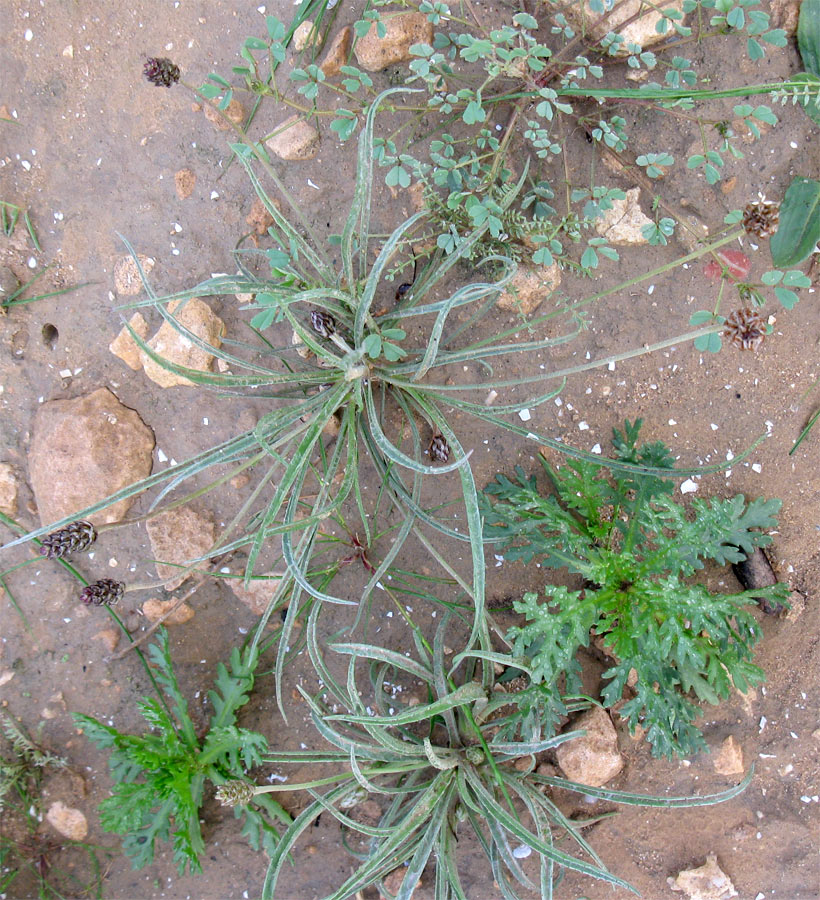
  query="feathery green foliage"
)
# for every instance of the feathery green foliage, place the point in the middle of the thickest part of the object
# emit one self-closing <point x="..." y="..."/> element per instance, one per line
<point x="673" y="641"/>
<point x="160" y="776"/>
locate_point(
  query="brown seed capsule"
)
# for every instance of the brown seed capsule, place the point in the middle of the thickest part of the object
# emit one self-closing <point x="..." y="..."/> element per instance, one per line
<point x="323" y="323"/>
<point x="761" y="217"/>
<point x="439" y="449"/>
<point x="160" y="71"/>
<point x="74" y="538"/>
<point x="105" y="592"/>
<point x="745" y="328"/>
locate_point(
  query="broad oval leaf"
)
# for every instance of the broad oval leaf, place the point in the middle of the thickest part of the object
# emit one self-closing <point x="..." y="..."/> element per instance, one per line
<point x="808" y="35"/>
<point x="799" y="228"/>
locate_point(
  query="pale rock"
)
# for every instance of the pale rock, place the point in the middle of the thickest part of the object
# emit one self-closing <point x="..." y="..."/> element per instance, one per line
<point x="69" y="822"/>
<point x="337" y="53"/>
<point x="707" y="882"/>
<point x="127" y="281"/>
<point x="155" y="609"/>
<point x="593" y="759"/>
<point x="258" y="593"/>
<point x="375" y="53"/>
<point x="125" y="347"/>
<point x="233" y="111"/>
<point x="5" y="676"/>
<point x="622" y="224"/>
<point x="295" y="139"/>
<point x="305" y="35"/>
<point x="729" y="759"/>
<point x="179" y="536"/>
<point x="529" y="287"/>
<point x="84" y="450"/>
<point x="641" y="31"/>
<point x="178" y="349"/>
<point x="184" y="181"/>
<point x="784" y="14"/>
<point x="8" y="490"/>
<point x="110" y="637"/>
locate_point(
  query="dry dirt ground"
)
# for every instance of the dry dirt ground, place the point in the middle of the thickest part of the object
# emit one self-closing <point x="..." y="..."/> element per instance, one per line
<point x="93" y="153"/>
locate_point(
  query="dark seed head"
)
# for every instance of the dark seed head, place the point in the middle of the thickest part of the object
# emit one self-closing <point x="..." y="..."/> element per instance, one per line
<point x="323" y="323"/>
<point x="439" y="449"/>
<point x="74" y="538"/>
<point x="745" y="328"/>
<point x="402" y="290"/>
<point x="104" y="592"/>
<point x="159" y="70"/>
<point x="761" y="218"/>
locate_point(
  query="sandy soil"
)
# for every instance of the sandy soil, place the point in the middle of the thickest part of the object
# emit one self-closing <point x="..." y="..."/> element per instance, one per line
<point x="94" y="152"/>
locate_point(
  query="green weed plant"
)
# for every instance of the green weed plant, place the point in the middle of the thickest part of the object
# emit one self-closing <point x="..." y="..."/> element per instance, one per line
<point x="456" y="763"/>
<point x="160" y="777"/>
<point x="673" y="642"/>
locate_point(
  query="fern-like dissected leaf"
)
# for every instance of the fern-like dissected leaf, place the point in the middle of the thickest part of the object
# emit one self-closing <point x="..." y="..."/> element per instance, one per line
<point x="160" y="655"/>
<point x="674" y="644"/>
<point x="234" y="748"/>
<point x="232" y="689"/>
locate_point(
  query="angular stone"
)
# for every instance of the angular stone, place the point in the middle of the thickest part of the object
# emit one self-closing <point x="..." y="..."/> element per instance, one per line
<point x="375" y="53"/>
<point x="529" y="287"/>
<point x="305" y="35"/>
<point x="125" y="347"/>
<point x="70" y="823"/>
<point x="155" y="609"/>
<point x="258" y="593"/>
<point x="707" y="882"/>
<point x="641" y="31"/>
<point x="729" y="760"/>
<point x="593" y="759"/>
<point x="234" y="111"/>
<point x="179" y="536"/>
<point x="623" y="223"/>
<point x="8" y="490"/>
<point x="337" y="53"/>
<point x="295" y="139"/>
<point x="127" y="281"/>
<point x="84" y="450"/>
<point x="170" y="344"/>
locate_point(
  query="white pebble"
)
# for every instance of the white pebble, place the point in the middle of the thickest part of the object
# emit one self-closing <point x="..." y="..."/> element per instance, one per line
<point x="522" y="851"/>
<point x="583" y="426"/>
<point x="596" y="449"/>
<point x="524" y="415"/>
<point x="713" y="427"/>
<point x="29" y="34"/>
<point x="688" y="487"/>
<point x="672" y="422"/>
<point x="32" y="262"/>
<point x="214" y="195"/>
<point x="25" y="164"/>
<point x="756" y="467"/>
